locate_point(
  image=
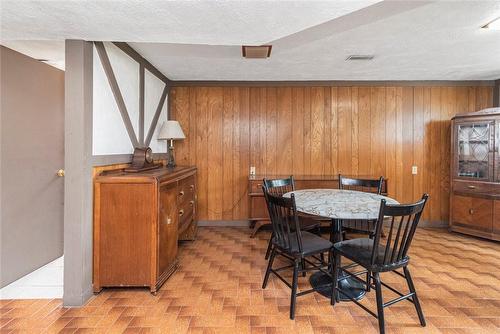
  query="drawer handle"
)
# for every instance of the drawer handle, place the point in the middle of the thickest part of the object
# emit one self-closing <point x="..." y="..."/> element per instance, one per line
<point x="181" y="193"/>
<point x="259" y="184"/>
<point x="191" y="202"/>
<point x="471" y="187"/>
<point x="168" y="221"/>
<point x="471" y="211"/>
<point x="181" y="212"/>
<point x="191" y="187"/>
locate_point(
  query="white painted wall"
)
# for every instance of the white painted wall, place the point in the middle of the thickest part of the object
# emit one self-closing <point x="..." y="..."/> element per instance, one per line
<point x="109" y="132"/>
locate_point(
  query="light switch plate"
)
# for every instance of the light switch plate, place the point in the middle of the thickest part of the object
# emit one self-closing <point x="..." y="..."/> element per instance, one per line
<point x="414" y="170"/>
<point x="252" y="170"/>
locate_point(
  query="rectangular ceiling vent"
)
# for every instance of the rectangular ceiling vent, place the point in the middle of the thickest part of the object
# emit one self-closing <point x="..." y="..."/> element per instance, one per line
<point x="360" y="57"/>
<point x="256" y="52"/>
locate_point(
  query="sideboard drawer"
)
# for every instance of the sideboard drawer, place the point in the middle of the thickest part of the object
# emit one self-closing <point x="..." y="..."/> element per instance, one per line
<point x="477" y="188"/>
<point x="255" y="186"/>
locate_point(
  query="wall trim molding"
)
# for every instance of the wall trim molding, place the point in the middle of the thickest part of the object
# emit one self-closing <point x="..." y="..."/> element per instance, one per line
<point x="224" y="223"/>
<point x="338" y="83"/>
<point x="246" y="223"/>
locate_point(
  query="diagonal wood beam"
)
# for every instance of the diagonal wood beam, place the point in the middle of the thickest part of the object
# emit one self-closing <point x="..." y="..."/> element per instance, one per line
<point x="141" y="104"/>
<point x="103" y="56"/>
<point x="141" y="60"/>
<point x="152" y="127"/>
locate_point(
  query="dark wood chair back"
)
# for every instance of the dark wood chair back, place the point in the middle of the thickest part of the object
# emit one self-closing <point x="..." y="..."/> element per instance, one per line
<point x="283" y="215"/>
<point x="366" y="185"/>
<point x="279" y="187"/>
<point x="403" y="224"/>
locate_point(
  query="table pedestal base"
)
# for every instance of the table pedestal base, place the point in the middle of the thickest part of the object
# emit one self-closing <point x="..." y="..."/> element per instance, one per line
<point x="350" y="286"/>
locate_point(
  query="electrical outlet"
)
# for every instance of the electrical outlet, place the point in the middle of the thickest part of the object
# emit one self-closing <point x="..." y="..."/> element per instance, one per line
<point x="252" y="170"/>
<point x="414" y="170"/>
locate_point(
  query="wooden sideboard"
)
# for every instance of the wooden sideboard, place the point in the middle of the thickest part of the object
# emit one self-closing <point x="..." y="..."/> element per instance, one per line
<point x="138" y="220"/>
<point x="475" y="174"/>
<point x="257" y="204"/>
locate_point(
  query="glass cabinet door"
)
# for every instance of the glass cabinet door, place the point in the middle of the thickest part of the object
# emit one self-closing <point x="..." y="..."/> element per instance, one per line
<point x="474" y="140"/>
<point x="497" y="151"/>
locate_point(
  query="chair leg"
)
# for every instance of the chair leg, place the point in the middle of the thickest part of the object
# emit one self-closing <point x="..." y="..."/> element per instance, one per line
<point x="415" y="298"/>
<point x="269" y="267"/>
<point x="303" y="267"/>
<point x="368" y="274"/>
<point x="294" y="288"/>
<point x="335" y="268"/>
<point x="269" y="246"/>
<point x="380" y="302"/>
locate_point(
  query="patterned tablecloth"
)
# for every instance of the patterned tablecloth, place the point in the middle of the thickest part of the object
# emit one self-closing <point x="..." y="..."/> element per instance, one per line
<point x="339" y="204"/>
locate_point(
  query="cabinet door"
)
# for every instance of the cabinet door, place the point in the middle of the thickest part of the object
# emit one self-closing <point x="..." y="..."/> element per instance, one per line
<point x="473" y="212"/>
<point x="496" y="220"/>
<point x="497" y="151"/>
<point x="168" y="224"/>
<point x="461" y="206"/>
<point x="473" y="146"/>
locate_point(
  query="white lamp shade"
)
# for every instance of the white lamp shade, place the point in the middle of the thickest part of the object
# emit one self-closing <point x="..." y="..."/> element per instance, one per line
<point x="171" y="130"/>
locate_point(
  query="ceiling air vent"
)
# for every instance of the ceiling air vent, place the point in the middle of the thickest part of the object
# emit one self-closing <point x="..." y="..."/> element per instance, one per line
<point x="360" y="57"/>
<point x="256" y="52"/>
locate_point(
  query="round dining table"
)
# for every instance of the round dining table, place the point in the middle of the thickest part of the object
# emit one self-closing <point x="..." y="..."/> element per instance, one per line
<point x="339" y="205"/>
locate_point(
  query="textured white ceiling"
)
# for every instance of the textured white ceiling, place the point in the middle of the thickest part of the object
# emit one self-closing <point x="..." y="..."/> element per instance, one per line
<point x="200" y="40"/>
<point x="187" y="22"/>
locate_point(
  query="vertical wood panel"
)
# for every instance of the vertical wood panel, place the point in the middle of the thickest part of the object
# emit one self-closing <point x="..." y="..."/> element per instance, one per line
<point x="334" y="130"/>
<point x="201" y="96"/>
<point x="377" y="116"/>
<point x="227" y="154"/>
<point x="242" y="204"/>
<point x="364" y="131"/>
<point x="344" y="130"/>
<point x="407" y="136"/>
<point x="284" y="134"/>
<point x="307" y="130"/>
<point x="214" y="153"/>
<point x="418" y="142"/>
<point x="390" y="138"/>
<point x="319" y="130"/>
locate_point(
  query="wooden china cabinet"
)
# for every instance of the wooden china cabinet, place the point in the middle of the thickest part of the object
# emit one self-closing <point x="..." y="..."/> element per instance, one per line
<point x="475" y="174"/>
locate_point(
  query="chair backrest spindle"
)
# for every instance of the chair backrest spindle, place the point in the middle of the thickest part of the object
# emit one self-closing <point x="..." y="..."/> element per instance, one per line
<point x="283" y="214"/>
<point x="365" y="185"/>
<point x="403" y="224"/>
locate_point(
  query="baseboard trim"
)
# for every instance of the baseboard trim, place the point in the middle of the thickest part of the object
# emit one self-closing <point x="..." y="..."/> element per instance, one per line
<point x="224" y="223"/>
<point x="436" y="224"/>
<point x="246" y="223"/>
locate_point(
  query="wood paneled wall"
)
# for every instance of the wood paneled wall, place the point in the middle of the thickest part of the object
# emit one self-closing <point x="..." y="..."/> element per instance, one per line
<point x="318" y="131"/>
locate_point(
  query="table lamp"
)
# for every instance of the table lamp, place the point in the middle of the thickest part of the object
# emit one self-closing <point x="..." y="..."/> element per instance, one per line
<point x="171" y="130"/>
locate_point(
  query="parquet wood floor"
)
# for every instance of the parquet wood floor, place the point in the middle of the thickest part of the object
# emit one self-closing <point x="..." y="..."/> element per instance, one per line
<point x="217" y="289"/>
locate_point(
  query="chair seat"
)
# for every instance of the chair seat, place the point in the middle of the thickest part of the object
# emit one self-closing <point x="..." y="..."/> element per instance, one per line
<point x="311" y="244"/>
<point x="360" y="251"/>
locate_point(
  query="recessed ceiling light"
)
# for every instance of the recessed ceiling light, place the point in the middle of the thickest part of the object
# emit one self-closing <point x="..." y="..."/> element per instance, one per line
<point x="493" y="25"/>
<point x="259" y="52"/>
<point x="360" y="57"/>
